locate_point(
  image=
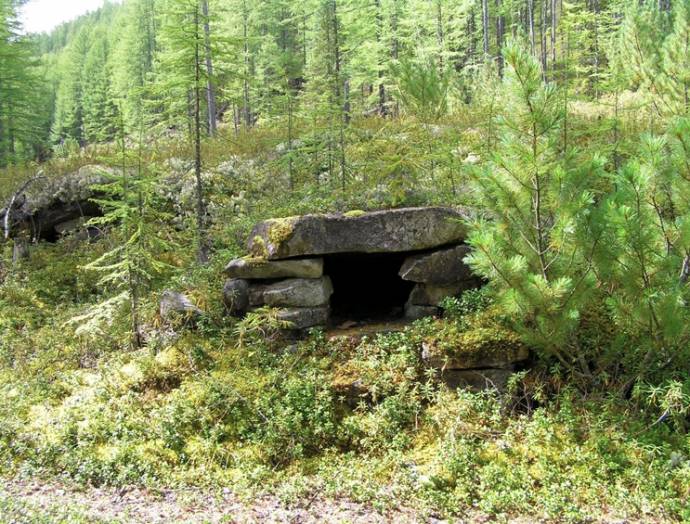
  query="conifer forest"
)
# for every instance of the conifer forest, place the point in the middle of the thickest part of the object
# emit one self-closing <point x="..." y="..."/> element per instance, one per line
<point x="417" y="261"/>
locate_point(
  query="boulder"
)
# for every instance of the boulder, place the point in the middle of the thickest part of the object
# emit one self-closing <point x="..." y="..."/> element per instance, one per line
<point x="414" y="312"/>
<point x="489" y="356"/>
<point x="293" y="292"/>
<point x="389" y="231"/>
<point x="304" y="317"/>
<point x="174" y="304"/>
<point x="260" y="268"/>
<point x="477" y="379"/>
<point x="433" y="295"/>
<point x="236" y="296"/>
<point x="46" y="204"/>
<point x="441" y="267"/>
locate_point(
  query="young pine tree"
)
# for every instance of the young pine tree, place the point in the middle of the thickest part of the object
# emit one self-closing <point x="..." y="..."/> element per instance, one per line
<point x="530" y="248"/>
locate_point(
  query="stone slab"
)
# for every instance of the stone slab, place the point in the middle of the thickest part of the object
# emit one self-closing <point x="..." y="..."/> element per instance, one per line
<point x="292" y="292"/>
<point x="433" y="295"/>
<point x="388" y="231"/>
<point x="303" y="318"/>
<point x="441" y="267"/>
<point x="260" y="268"/>
<point x="414" y="312"/>
<point x="236" y="296"/>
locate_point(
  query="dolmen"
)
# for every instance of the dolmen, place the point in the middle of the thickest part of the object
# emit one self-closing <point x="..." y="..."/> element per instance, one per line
<point x="288" y="261"/>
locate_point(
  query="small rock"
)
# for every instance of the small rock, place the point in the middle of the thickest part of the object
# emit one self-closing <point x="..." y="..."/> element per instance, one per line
<point x="236" y="296"/>
<point x="173" y="303"/>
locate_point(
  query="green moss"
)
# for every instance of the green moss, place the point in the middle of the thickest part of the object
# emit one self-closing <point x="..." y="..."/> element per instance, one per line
<point x="255" y="261"/>
<point x="259" y="249"/>
<point x="483" y="336"/>
<point x="280" y="229"/>
<point x="355" y="213"/>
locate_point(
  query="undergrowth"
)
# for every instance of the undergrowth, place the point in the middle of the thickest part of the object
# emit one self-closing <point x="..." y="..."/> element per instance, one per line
<point x="231" y="403"/>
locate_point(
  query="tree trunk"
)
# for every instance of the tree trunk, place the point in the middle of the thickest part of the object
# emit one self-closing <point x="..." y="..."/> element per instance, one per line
<point x="530" y="23"/>
<point x="379" y="35"/>
<point x="245" y="92"/>
<point x="342" y="101"/>
<point x="20" y="250"/>
<point x="439" y="34"/>
<point x="485" y="26"/>
<point x="471" y="48"/>
<point x="210" y="88"/>
<point x="553" y="35"/>
<point x="291" y="175"/>
<point x="202" y="254"/>
<point x="500" y="23"/>
<point x="395" y="45"/>
<point x="542" y="38"/>
<point x="595" y="43"/>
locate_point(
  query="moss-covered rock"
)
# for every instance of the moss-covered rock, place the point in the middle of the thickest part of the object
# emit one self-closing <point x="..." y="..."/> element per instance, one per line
<point x="485" y="343"/>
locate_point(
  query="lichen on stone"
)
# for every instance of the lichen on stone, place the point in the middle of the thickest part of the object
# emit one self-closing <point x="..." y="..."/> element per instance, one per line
<point x="355" y="213"/>
<point x="259" y="249"/>
<point x="280" y="229"/>
<point x="254" y="260"/>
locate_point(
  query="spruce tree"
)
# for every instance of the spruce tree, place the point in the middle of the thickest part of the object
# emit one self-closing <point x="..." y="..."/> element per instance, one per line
<point x="20" y="90"/>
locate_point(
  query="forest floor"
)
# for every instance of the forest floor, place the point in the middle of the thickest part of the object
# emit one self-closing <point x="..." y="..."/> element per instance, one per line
<point x="39" y="502"/>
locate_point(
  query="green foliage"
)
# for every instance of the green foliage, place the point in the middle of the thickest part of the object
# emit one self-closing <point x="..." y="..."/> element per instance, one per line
<point x="136" y="260"/>
<point x="538" y="206"/>
<point x="586" y="261"/>
<point x="423" y="89"/>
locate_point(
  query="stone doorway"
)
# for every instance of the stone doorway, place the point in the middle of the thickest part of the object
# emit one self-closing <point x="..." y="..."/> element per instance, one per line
<point x="367" y="287"/>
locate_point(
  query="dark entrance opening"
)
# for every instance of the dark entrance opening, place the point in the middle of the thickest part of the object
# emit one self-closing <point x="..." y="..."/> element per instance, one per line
<point x="367" y="287"/>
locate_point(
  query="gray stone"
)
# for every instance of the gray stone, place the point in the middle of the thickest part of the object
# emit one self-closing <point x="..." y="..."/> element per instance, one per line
<point x="236" y="296"/>
<point x="71" y="226"/>
<point x="293" y="292"/>
<point x="477" y="379"/>
<point x="389" y="231"/>
<point x="503" y="357"/>
<point x="49" y="202"/>
<point x="414" y="312"/>
<point x="304" y="317"/>
<point x="259" y="268"/>
<point x="174" y="304"/>
<point x="20" y="250"/>
<point x="433" y="295"/>
<point x="443" y="266"/>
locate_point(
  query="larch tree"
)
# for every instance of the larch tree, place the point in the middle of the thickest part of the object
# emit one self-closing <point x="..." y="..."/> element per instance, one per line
<point x="182" y="84"/>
